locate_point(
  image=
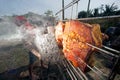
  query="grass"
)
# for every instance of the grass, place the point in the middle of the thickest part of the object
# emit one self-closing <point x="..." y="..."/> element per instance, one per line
<point x="13" y="57"/>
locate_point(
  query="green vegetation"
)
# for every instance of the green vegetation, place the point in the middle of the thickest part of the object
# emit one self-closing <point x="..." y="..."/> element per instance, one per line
<point x="13" y="57"/>
<point x="49" y="13"/>
<point x="103" y="10"/>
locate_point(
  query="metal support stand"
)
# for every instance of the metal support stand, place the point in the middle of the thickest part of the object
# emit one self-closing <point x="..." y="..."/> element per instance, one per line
<point x="62" y="9"/>
<point x="115" y="69"/>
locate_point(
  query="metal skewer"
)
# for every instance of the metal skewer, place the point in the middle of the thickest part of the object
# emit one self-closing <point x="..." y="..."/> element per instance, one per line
<point x="111" y="49"/>
<point x="79" y="59"/>
<point x="107" y="52"/>
<point x="60" y="70"/>
<point x="81" y="77"/>
<point x="69" y="71"/>
<point x="82" y="74"/>
<point x="100" y="71"/>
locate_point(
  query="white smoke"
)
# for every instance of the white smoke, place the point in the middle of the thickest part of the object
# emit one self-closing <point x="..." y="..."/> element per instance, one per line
<point x="42" y="37"/>
<point x="9" y="31"/>
<point x="45" y="42"/>
<point x="47" y="47"/>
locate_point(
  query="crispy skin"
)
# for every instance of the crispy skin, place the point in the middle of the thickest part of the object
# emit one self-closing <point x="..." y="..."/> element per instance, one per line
<point x="97" y="35"/>
<point x="73" y="36"/>
<point x="76" y="34"/>
<point x="59" y="28"/>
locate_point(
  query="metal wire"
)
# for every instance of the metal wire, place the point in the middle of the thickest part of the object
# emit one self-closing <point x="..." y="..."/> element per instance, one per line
<point x="69" y="5"/>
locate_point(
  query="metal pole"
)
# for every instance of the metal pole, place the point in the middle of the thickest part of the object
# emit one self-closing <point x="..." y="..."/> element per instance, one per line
<point x="67" y="6"/>
<point x="88" y="8"/>
<point x="115" y="69"/>
<point x="62" y="9"/>
<point x="96" y="18"/>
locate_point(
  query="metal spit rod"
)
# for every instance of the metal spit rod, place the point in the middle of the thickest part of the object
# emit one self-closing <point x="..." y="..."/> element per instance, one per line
<point x="74" y="70"/>
<point x="107" y="52"/>
<point x="100" y="71"/>
<point x="111" y="49"/>
<point x="81" y="76"/>
<point x="60" y="70"/>
<point x="68" y="66"/>
<point x="70" y="74"/>
<point x="79" y="59"/>
<point x="79" y="72"/>
<point x="107" y="56"/>
<point x="102" y="50"/>
<point x="82" y="73"/>
<point x="69" y="71"/>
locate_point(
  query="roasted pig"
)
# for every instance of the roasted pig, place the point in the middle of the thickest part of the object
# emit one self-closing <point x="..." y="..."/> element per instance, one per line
<point x="59" y="28"/>
<point x="73" y="36"/>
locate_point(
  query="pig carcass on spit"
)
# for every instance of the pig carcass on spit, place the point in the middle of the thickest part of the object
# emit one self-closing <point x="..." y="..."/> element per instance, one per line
<point x="74" y="38"/>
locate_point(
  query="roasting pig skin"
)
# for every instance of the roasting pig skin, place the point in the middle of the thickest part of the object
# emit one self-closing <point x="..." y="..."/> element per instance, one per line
<point x="76" y="34"/>
<point x="73" y="36"/>
<point x="59" y="28"/>
<point x="97" y="35"/>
